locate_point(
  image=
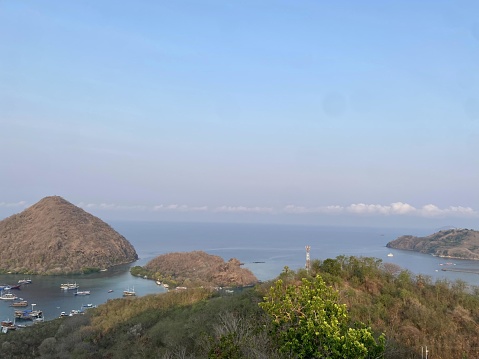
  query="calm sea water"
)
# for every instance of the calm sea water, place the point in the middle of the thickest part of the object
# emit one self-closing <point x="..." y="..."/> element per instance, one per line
<point x="264" y="249"/>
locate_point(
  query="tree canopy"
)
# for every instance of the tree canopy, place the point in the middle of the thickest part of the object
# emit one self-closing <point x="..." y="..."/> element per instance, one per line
<point x="309" y="322"/>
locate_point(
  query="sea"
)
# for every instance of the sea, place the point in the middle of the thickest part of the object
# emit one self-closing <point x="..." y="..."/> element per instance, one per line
<point x="265" y="249"/>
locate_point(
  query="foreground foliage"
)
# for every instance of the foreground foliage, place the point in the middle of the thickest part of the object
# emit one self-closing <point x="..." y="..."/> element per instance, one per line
<point x="309" y="322"/>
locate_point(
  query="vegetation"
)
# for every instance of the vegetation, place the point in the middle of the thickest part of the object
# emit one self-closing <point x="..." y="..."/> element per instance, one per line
<point x="411" y="311"/>
<point x="308" y="322"/>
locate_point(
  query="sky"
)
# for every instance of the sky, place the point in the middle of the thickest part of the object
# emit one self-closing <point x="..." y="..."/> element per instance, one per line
<point x="309" y="112"/>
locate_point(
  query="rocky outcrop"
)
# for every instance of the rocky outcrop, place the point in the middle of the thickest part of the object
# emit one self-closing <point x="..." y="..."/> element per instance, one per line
<point x="200" y="268"/>
<point x="56" y="237"/>
<point x="451" y="243"/>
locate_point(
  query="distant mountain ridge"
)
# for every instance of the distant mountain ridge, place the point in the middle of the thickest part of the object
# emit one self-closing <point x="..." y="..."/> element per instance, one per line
<point x="450" y="243"/>
<point x="54" y="236"/>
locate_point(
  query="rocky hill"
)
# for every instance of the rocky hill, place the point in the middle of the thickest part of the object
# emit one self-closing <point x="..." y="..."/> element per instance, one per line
<point x="200" y="268"/>
<point x="55" y="237"/>
<point x="451" y="243"/>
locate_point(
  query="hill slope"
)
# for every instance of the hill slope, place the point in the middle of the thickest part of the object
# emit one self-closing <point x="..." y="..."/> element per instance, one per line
<point x="453" y="243"/>
<point x="55" y="237"/>
<point x="200" y="268"/>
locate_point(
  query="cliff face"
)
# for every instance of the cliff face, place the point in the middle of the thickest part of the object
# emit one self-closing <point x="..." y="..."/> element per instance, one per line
<point x="200" y="268"/>
<point x="55" y="237"/>
<point x="454" y="243"/>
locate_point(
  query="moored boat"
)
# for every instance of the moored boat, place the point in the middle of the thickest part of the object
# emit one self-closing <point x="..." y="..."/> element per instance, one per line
<point x="129" y="292"/>
<point x="7" y="296"/>
<point x="22" y="303"/>
<point x="84" y="292"/>
<point x="69" y="286"/>
<point x="7" y="325"/>
<point x="24" y="281"/>
<point x="28" y="314"/>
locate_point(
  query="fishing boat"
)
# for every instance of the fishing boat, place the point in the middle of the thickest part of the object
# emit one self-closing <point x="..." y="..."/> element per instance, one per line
<point x="21" y="303"/>
<point x="29" y="314"/>
<point x="7" y="325"/>
<point x="7" y="296"/>
<point x="129" y="293"/>
<point x="69" y="286"/>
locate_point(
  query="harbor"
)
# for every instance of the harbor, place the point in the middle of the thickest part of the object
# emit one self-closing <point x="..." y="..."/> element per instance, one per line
<point x="44" y="298"/>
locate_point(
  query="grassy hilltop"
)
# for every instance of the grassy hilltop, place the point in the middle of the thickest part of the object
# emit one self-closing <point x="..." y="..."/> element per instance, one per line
<point x="411" y="311"/>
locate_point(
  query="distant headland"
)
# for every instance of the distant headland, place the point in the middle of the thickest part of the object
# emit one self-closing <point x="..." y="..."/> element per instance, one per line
<point x="450" y="243"/>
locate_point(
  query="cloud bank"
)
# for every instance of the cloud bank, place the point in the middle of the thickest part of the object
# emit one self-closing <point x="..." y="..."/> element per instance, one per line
<point x="392" y="210"/>
<point x="359" y="209"/>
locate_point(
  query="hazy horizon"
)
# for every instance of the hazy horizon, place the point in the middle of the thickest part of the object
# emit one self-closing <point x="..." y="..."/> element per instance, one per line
<point x="352" y="113"/>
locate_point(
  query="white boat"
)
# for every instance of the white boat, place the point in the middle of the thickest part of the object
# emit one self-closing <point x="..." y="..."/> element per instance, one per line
<point x="390" y="255"/>
<point x="84" y="292"/>
<point x="7" y="296"/>
<point x="129" y="292"/>
<point x="24" y="281"/>
<point x="69" y="286"/>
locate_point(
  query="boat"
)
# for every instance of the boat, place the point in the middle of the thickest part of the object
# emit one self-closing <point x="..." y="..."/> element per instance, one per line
<point x="390" y="255"/>
<point x="74" y="312"/>
<point x="7" y="296"/>
<point x="29" y="314"/>
<point x="24" y="281"/>
<point x="110" y="291"/>
<point x="129" y="293"/>
<point x="88" y="306"/>
<point x="84" y="292"/>
<point x="69" y="286"/>
<point x="22" y="303"/>
<point x="7" y="325"/>
<point x="16" y="286"/>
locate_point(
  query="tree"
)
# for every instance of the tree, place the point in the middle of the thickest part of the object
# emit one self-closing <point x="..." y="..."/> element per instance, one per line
<point x="308" y="322"/>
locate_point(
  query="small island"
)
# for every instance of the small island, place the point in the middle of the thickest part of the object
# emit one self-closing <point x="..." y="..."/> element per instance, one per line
<point x="196" y="269"/>
<point x="451" y="243"/>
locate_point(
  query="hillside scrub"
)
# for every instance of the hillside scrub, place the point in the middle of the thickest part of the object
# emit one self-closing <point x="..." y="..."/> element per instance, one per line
<point x="411" y="310"/>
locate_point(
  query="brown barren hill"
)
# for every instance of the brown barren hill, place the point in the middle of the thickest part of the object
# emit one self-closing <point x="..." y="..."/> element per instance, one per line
<point x="56" y="237"/>
<point x="200" y="268"/>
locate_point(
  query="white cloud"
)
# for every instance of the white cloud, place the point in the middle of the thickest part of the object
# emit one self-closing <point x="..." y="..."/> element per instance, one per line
<point x="178" y="208"/>
<point x="402" y="208"/>
<point x="14" y="204"/>
<point x="431" y="210"/>
<point x="112" y="206"/>
<point x="300" y="209"/>
<point x="243" y="209"/>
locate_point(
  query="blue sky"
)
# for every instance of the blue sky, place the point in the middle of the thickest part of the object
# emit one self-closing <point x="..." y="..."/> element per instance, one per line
<point x="321" y="112"/>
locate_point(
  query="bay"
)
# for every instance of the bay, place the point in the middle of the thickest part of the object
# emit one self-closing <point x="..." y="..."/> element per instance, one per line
<point x="265" y="249"/>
